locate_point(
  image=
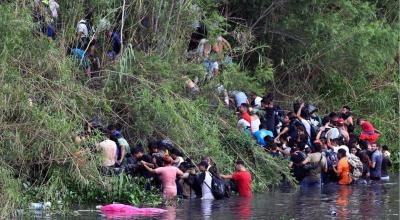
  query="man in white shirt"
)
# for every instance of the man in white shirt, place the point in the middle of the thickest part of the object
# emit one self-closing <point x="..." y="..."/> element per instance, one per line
<point x="82" y="29"/>
<point x="109" y="151"/>
<point x="206" y="183"/>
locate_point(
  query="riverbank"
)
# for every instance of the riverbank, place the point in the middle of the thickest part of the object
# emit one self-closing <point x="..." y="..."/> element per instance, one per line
<point x="46" y="97"/>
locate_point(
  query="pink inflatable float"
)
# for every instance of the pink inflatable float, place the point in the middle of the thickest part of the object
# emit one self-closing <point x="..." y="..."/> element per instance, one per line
<point x="121" y="210"/>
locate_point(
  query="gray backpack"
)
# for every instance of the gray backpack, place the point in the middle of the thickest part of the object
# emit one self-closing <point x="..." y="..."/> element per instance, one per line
<point x="356" y="167"/>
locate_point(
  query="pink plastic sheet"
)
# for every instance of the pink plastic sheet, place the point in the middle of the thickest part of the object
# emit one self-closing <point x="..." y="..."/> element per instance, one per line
<point x="121" y="210"/>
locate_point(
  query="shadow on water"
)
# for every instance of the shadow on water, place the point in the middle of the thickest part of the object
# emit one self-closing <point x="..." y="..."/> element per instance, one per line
<point x="332" y="201"/>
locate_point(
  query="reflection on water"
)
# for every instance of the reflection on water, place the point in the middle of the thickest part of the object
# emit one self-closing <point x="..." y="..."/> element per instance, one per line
<point x="373" y="201"/>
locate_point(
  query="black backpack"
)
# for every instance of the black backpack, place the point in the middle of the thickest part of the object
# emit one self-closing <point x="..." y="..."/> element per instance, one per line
<point x="218" y="188"/>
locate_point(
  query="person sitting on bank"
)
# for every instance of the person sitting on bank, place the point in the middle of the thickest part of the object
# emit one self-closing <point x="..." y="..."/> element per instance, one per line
<point x="168" y="175"/>
<point x="343" y="168"/>
<point x="242" y="177"/>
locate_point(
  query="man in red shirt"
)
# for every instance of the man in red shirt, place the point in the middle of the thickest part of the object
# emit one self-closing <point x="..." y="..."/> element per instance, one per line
<point x="242" y="178"/>
<point x="244" y="111"/>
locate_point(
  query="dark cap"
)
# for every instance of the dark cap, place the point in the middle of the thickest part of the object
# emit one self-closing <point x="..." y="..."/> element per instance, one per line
<point x="203" y="163"/>
<point x="239" y="162"/>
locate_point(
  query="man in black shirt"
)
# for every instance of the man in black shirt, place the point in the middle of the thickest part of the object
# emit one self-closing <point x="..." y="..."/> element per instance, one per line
<point x="136" y="161"/>
<point x="268" y="115"/>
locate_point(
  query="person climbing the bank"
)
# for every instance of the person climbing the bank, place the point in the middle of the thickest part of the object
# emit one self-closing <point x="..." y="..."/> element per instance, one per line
<point x="343" y="168"/>
<point x="261" y="134"/>
<point x="244" y="113"/>
<point x="268" y="113"/>
<point x="254" y="121"/>
<point x="80" y="55"/>
<point x="82" y="34"/>
<point x="303" y="116"/>
<point x="239" y="98"/>
<point x="368" y="132"/>
<point x="108" y="149"/>
<point x="94" y="61"/>
<point x="255" y="101"/>
<point x="116" y="44"/>
<point x="242" y="178"/>
<point x="168" y="174"/>
<point x="346" y="114"/>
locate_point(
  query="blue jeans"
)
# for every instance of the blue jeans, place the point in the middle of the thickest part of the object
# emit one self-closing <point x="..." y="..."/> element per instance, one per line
<point x="307" y="182"/>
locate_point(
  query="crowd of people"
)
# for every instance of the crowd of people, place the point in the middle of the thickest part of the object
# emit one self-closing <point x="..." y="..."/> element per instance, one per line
<point x="318" y="149"/>
<point x="163" y="166"/>
<point x="86" y="44"/>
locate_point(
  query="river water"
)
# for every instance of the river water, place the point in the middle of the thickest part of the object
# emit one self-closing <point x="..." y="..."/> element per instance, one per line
<point x="372" y="201"/>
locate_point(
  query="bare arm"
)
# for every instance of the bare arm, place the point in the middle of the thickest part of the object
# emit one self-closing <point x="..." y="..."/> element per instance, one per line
<point x="298" y="113"/>
<point x="319" y="133"/>
<point x="226" y="176"/>
<point x="330" y="146"/>
<point x="147" y="164"/>
<point x="227" y="44"/>
<point x="151" y="170"/>
<point x="122" y="154"/>
<point x="179" y="173"/>
<point x="372" y="164"/>
<point x="336" y="171"/>
<point x="284" y="131"/>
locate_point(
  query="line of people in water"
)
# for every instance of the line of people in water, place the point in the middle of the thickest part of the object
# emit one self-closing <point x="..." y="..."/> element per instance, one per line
<point x="164" y="167"/>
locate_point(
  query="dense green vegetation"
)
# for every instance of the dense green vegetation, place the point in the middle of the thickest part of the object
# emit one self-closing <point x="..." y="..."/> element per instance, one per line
<point x="329" y="52"/>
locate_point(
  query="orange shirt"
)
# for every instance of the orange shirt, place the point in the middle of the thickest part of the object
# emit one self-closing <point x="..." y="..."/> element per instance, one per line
<point x="344" y="169"/>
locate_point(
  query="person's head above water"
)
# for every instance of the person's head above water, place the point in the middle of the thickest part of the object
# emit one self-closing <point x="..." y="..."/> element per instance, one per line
<point x="341" y="153"/>
<point x="239" y="165"/>
<point x="203" y="165"/>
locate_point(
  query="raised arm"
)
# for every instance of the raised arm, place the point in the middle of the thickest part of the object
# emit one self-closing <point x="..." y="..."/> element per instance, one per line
<point x="298" y="113"/>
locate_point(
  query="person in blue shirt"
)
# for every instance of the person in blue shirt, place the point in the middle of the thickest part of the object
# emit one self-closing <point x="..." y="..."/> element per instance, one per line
<point x="116" y="44"/>
<point x="81" y="56"/>
<point x="376" y="162"/>
<point x="261" y="134"/>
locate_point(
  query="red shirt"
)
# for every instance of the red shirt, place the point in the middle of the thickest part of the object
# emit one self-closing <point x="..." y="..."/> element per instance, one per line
<point x="246" y="117"/>
<point x="367" y="127"/>
<point x="243" y="181"/>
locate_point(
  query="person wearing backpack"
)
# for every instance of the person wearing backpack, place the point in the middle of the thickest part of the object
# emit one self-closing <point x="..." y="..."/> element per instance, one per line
<point x="356" y="168"/>
<point x="205" y="180"/>
<point x="242" y="177"/>
<point x="315" y="163"/>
